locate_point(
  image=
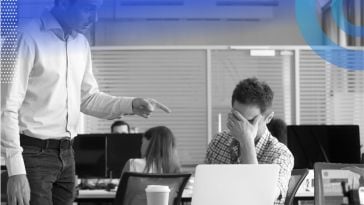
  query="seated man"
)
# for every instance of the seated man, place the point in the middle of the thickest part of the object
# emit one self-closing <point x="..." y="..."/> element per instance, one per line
<point x="248" y="140"/>
<point x="120" y="127"/>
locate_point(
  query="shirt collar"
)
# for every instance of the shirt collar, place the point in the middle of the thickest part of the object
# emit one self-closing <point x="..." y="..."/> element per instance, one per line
<point x="50" y="23"/>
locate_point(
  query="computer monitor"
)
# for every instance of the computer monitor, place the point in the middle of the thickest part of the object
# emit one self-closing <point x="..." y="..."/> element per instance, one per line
<point x="323" y="143"/>
<point x="121" y="148"/>
<point x="331" y="178"/>
<point x="90" y="155"/>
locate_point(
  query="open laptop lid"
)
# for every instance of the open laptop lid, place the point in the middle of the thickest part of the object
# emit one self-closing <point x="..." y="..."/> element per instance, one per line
<point x="235" y="184"/>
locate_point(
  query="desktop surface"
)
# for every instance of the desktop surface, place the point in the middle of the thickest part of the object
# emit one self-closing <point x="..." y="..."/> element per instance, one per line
<point x="305" y="192"/>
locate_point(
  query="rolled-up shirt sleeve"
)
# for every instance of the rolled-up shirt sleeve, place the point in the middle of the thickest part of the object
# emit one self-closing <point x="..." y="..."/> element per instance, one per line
<point x="99" y="104"/>
<point x="15" y="91"/>
<point x="285" y="162"/>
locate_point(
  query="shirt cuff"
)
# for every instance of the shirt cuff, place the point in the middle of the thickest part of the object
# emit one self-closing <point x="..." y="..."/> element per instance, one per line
<point x="15" y="165"/>
<point x="126" y="105"/>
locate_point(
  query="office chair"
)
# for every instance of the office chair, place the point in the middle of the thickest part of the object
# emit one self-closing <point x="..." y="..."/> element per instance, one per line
<point x="131" y="190"/>
<point x="297" y="177"/>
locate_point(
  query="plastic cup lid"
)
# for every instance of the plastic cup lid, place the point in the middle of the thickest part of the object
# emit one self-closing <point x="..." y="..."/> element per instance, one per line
<point x="157" y="188"/>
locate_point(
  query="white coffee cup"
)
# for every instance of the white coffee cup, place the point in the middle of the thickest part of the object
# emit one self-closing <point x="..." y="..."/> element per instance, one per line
<point x="157" y="194"/>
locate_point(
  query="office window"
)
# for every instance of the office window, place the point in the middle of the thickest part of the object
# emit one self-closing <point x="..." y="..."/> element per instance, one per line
<point x="231" y="66"/>
<point x="328" y="94"/>
<point x="176" y="78"/>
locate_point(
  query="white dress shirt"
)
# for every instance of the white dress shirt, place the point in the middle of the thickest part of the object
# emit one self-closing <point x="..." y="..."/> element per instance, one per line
<point x="53" y="82"/>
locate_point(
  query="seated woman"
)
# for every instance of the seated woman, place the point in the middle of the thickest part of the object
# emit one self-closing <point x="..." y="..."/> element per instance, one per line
<point x="159" y="156"/>
<point x="158" y="151"/>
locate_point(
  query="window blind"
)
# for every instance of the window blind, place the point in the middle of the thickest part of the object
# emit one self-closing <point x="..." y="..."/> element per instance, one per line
<point x="177" y="78"/>
<point x="314" y="88"/>
<point x="330" y="95"/>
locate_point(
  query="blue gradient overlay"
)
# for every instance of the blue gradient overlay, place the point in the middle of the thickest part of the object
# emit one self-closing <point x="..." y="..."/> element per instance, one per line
<point x="308" y="23"/>
<point x="9" y="27"/>
<point x="306" y="17"/>
<point x="341" y="20"/>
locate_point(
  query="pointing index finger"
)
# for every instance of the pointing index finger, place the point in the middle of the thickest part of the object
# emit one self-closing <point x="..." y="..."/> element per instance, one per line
<point x="162" y="107"/>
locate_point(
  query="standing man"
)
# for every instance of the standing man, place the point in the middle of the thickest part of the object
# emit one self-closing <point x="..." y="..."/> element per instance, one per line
<point x="248" y="141"/>
<point x="53" y="83"/>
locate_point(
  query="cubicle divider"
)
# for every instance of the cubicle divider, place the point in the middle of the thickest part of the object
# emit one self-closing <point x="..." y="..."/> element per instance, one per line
<point x="104" y="155"/>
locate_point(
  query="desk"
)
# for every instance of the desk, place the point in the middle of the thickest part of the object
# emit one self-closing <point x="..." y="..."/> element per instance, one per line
<point x="306" y="197"/>
<point x="305" y="192"/>
<point x="100" y="195"/>
<point x="108" y="196"/>
<point x="97" y="196"/>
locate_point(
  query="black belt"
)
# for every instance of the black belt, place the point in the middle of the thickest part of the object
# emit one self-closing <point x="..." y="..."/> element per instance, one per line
<point x="64" y="143"/>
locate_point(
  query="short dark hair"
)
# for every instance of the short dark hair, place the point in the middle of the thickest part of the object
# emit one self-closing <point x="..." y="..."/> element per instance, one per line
<point x="119" y="123"/>
<point x="253" y="92"/>
<point x="278" y="128"/>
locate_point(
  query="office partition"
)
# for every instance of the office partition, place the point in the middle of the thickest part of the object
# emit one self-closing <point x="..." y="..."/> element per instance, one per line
<point x="104" y="155"/>
<point x="323" y="143"/>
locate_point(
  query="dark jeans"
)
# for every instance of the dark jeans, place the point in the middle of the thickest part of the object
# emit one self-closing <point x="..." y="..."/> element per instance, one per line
<point x="51" y="175"/>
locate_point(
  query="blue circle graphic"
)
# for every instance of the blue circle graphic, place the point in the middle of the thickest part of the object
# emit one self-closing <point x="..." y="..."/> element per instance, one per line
<point x="341" y="20"/>
<point x="309" y="24"/>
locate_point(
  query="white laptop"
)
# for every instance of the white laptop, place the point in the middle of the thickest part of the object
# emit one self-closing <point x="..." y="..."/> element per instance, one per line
<point x="235" y="184"/>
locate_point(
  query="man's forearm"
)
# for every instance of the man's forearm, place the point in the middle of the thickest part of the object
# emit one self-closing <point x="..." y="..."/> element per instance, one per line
<point x="248" y="154"/>
<point x="10" y="142"/>
<point x="105" y="106"/>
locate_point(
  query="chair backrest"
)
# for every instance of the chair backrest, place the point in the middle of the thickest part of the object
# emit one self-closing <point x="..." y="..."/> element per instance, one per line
<point x="297" y="177"/>
<point x="131" y="190"/>
<point x="328" y="178"/>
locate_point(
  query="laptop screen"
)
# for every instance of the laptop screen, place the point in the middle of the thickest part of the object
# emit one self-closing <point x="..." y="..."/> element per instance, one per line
<point x="235" y="184"/>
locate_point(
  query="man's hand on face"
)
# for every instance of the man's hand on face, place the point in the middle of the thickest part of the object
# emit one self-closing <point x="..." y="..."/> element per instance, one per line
<point x="18" y="190"/>
<point x="240" y="128"/>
